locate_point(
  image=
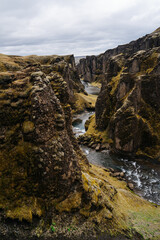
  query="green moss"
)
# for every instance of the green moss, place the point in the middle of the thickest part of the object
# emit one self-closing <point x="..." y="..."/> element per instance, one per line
<point x="73" y="201"/>
<point x="25" y="212"/>
<point x="2" y="95"/>
<point x="114" y="82"/>
<point x="28" y="127"/>
<point x="18" y="181"/>
<point x="149" y="63"/>
<point x="8" y="64"/>
<point x="95" y="134"/>
<point x="147" y="223"/>
<point x="96" y="84"/>
<point x="84" y="102"/>
<point x="2" y="67"/>
<point x="152" y="152"/>
<point x="151" y="115"/>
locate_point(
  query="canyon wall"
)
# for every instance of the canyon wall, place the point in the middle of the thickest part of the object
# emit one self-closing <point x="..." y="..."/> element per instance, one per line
<point x="94" y="68"/>
<point x="39" y="155"/>
<point x="127" y="108"/>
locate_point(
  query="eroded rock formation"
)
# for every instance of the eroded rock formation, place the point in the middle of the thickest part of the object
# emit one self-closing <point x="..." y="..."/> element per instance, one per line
<point x="43" y="172"/>
<point x="39" y="155"/>
<point x="127" y="108"/>
<point x="94" y="68"/>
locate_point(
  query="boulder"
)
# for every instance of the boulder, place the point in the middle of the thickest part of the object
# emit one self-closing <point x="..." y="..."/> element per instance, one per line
<point x="130" y="186"/>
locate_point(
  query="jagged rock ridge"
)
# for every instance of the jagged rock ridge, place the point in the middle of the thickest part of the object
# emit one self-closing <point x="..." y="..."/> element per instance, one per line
<point x="127" y="107"/>
<point x="94" y="68"/>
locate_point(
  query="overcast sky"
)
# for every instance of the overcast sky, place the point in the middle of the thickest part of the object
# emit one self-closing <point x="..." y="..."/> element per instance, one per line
<point x="79" y="27"/>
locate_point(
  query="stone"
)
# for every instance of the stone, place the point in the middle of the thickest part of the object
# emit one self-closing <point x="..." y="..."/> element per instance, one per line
<point x="92" y="68"/>
<point x="98" y="147"/>
<point x="94" y="146"/>
<point x="76" y="121"/>
<point x="39" y="165"/>
<point x="37" y="74"/>
<point x="111" y="170"/>
<point x="105" y="146"/>
<point x="122" y="174"/>
<point x="130" y="186"/>
<point x="116" y="174"/>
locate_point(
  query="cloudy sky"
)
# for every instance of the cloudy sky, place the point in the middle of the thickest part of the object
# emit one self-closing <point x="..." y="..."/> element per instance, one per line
<point x="80" y="27"/>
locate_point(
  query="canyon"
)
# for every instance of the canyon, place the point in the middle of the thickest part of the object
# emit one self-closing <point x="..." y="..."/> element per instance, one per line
<point x="48" y="188"/>
<point x="127" y="108"/>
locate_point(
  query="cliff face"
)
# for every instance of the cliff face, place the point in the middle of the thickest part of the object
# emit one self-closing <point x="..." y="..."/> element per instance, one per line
<point x="128" y="105"/>
<point x="127" y="108"/>
<point x="39" y="156"/>
<point x="94" y="68"/>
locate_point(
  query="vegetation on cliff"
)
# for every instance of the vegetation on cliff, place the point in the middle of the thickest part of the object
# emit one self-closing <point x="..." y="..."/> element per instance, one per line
<point x="44" y="177"/>
<point x="127" y="108"/>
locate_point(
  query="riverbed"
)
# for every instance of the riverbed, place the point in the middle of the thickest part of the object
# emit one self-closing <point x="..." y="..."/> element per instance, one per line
<point x="144" y="174"/>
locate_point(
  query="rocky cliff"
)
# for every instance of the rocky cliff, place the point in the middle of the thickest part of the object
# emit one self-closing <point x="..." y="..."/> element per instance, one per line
<point x="94" y="68"/>
<point x="39" y="155"/>
<point x="127" y="108"/>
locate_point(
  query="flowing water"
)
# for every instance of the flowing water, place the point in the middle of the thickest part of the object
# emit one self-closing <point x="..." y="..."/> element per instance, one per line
<point x="144" y="174"/>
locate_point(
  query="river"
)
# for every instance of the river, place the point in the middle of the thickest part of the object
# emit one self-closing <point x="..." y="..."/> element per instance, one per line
<point x="144" y="174"/>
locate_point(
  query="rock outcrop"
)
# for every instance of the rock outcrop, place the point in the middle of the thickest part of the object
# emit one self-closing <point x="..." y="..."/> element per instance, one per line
<point x="127" y="108"/>
<point x="131" y="106"/>
<point x="38" y="153"/>
<point x="94" y="68"/>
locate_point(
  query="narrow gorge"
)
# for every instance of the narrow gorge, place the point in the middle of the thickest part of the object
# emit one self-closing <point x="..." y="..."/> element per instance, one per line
<point x="129" y="97"/>
<point x="52" y="187"/>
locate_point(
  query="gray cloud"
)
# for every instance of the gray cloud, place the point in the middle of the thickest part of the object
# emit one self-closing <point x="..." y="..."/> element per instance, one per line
<point x="70" y="26"/>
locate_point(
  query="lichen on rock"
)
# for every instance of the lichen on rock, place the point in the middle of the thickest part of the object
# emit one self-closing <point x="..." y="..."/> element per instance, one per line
<point x="36" y="138"/>
<point x="127" y="108"/>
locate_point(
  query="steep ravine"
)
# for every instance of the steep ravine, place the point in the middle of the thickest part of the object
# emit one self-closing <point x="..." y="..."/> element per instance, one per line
<point x="48" y="189"/>
<point x="145" y="175"/>
<point x="127" y="112"/>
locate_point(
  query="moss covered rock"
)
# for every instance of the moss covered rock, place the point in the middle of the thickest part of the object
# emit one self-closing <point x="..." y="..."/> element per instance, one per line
<point x="43" y="172"/>
<point x="95" y="68"/>
<point x="127" y="108"/>
<point x="36" y="136"/>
